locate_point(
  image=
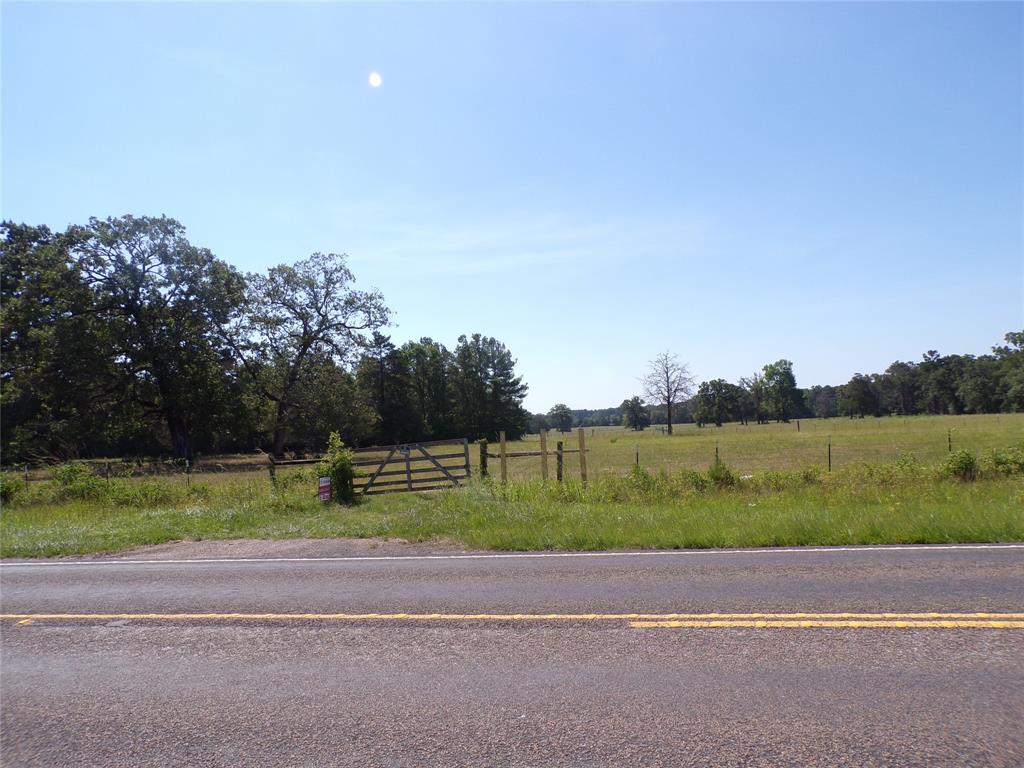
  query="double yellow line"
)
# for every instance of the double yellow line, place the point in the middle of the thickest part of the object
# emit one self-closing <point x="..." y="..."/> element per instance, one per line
<point x="929" y="620"/>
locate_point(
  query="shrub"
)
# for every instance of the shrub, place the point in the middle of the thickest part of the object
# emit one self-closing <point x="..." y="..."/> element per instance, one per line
<point x="721" y="476"/>
<point x="1009" y="461"/>
<point x="961" y="465"/>
<point x="337" y="464"/>
<point x="76" y="481"/>
<point x="10" y="488"/>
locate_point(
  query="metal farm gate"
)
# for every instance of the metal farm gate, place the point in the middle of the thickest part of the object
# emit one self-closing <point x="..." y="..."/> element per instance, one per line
<point x="411" y="466"/>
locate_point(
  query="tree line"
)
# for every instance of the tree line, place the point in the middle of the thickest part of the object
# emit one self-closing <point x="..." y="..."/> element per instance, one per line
<point x="938" y="384"/>
<point x="120" y="337"/>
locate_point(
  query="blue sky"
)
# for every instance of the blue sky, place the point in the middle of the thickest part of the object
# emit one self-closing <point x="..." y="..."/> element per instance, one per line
<point x="838" y="184"/>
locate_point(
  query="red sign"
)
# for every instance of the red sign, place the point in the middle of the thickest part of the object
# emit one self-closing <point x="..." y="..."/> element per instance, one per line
<point x="325" y="489"/>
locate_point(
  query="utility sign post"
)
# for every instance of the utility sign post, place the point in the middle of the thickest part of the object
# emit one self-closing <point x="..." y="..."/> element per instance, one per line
<point x="325" y="489"/>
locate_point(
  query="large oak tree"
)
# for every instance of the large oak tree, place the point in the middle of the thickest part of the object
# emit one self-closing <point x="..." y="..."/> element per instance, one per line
<point x="160" y="300"/>
<point x="295" y="316"/>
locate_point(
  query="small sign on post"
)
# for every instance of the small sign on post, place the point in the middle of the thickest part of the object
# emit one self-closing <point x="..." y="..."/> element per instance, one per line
<point x="325" y="489"/>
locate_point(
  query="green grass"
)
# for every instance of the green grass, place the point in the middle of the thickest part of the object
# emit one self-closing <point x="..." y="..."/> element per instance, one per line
<point x="904" y="501"/>
<point x="762" y="447"/>
<point x="531" y="518"/>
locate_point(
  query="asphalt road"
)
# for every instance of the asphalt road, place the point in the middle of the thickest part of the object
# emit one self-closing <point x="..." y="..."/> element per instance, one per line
<point x="211" y="689"/>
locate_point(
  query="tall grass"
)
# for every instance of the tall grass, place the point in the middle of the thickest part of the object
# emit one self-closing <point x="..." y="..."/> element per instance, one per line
<point x="963" y="498"/>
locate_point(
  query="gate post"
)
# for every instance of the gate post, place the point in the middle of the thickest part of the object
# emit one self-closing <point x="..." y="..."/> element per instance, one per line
<point x="483" y="456"/>
<point x="504" y="458"/>
<point x="558" y="461"/>
<point x="583" y="457"/>
<point x="408" y="467"/>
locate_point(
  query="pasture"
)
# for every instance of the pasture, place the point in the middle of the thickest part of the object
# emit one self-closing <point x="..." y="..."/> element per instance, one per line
<point x="776" y="446"/>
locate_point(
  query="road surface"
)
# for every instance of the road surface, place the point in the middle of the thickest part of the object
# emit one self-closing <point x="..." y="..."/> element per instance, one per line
<point x="862" y="657"/>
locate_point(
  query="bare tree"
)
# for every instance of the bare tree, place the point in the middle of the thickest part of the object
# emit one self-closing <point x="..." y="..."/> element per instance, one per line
<point x="668" y="382"/>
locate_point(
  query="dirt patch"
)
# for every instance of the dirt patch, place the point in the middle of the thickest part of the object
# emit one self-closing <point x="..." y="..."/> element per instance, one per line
<point x="259" y="548"/>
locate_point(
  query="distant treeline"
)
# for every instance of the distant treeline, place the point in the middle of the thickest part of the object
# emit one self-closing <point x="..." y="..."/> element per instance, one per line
<point x="121" y="338"/>
<point x="938" y="384"/>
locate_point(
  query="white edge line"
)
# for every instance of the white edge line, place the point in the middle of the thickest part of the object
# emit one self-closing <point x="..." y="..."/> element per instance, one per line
<point x="516" y="555"/>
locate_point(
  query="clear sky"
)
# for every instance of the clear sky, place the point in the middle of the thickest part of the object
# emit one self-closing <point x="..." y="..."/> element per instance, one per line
<point x="838" y="184"/>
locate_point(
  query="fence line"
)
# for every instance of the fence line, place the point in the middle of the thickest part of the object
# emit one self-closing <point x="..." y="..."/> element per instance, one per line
<point x="812" y="448"/>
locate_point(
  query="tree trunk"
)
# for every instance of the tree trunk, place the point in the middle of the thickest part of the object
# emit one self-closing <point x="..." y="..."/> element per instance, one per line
<point x="279" y="429"/>
<point x="668" y="414"/>
<point x="181" y="445"/>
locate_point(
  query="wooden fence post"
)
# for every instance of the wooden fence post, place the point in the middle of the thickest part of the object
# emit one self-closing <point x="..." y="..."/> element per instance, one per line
<point x="583" y="455"/>
<point x="408" y="468"/>
<point x="558" y="461"/>
<point x="544" y="455"/>
<point x="830" y="453"/>
<point x="465" y="449"/>
<point x="483" y="457"/>
<point x="504" y="458"/>
<point x="271" y="469"/>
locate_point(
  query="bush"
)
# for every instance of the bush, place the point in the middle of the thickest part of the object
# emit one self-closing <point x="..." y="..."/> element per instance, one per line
<point x="337" y="464"/>
<point x="1009" y="461"/>
<point x="721" y="476"/>
<point x="76" y="481"/>
<point x="961" y="465"/>
<point x="10" y="488"/>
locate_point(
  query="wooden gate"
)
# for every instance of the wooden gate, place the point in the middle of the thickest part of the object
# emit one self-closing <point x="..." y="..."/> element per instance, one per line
<point x="411" y="466"/>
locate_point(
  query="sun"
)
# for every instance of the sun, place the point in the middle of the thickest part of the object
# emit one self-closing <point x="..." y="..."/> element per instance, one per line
<point x="375" y="79"/>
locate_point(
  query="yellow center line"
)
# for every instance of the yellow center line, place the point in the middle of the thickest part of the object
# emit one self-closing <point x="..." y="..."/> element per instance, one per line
<point x="937" y="620"/>
<point x="826" y="624"/>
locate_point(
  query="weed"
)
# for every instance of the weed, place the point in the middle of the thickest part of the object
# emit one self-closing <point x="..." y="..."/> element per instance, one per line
<point x="720" y="476"/>
<point x="76" y="481"/>
<point x="10" y="488"/>
<point x="962" y="465"/>
<point x="1009" y="461"/>
<point x="337" y="464"/>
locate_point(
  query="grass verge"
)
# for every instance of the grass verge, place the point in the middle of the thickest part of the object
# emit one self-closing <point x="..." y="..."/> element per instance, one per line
<point x="902" y="502"/>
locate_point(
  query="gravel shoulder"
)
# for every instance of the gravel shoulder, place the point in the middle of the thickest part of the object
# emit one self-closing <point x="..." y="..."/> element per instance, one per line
<point x="269" y="548"/>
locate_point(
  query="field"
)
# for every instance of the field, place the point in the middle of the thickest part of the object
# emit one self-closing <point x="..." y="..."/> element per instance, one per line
<point x="891" y="483"/>
<point x="763" y="447"/>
